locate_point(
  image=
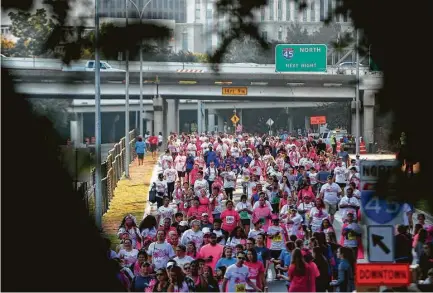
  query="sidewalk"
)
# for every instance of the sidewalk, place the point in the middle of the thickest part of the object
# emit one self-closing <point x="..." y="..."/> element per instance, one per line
<point x="130" y="197"/>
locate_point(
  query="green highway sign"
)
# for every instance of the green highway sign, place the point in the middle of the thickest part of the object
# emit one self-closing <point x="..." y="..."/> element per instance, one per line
<point x="301" y="57"/>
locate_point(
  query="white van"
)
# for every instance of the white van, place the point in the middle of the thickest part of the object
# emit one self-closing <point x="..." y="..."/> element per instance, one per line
<point x="338" y="133"/>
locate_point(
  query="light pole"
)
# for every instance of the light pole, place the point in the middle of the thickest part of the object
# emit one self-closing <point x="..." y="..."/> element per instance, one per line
<point x="357" y="122"/>
<point x="98" y="177"/>
<point x="127" y="150"/>
<point x="140" y="15"/>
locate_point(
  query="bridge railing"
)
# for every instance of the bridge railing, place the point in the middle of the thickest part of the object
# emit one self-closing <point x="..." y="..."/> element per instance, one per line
<point x="113" y="169"/>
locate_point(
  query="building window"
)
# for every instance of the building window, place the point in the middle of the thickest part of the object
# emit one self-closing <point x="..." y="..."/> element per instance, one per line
<point x="184" y="40"/>
<point x="265" y="35"/>
<point x="288" y="16"/>
<point x="313" y="11"/>
<point x="271" y="9"/>
<point x="280" y="10"/>
<point x="209" y="13"/>
<point x="262" y="14"/>
<point x="322" y="10"/>
<point x="197" y="9"/>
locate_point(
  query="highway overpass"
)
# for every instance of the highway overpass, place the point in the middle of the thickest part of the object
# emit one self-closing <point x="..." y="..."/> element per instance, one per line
<point x="88" y="106"/>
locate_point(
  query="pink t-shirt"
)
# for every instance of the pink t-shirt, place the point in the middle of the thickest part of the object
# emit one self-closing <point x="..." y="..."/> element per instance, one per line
<point x="302" y="283"/>
<point x="263" y="214"/>
<point x="230" y="220"/>
<point x="215" y="251"/>
<point x="254" y="270"/>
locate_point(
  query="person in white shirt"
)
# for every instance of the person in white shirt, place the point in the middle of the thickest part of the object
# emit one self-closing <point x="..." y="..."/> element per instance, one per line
<point x="170" y="175"/>
<point x="191" y="148"/>
<point x="166" y="160"/>
<point x="229" y="181"/>
<point x="211" y="174"/>
<point x="222" y="148"/>
<point x="161" y="189"/>
<point x="356" y="192"/>
<point x="164" y="211"/>
<point x="237" y="276"/>
<point x="349" y="204"/>
<point x="180" y="165"/>
<point x="234" y="150"/>
<point x="181" y="258"/>
<point x="215" y="200"/>
<point x="194" y="234"/>
<point x="200" y="183"/>
<point x="340" y="174"/>
<point x="160" y="251"/>
<point x="330" y="192"/>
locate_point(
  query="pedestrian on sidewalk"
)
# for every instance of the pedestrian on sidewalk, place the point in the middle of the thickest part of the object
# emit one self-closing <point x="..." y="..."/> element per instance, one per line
<point x="140" y="149"/>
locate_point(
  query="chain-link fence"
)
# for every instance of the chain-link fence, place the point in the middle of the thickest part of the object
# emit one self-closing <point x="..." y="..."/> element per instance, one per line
<point x="112" y="170"/>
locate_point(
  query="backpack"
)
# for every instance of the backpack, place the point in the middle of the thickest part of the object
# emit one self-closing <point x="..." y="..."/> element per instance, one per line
<point x="152" y="193"/>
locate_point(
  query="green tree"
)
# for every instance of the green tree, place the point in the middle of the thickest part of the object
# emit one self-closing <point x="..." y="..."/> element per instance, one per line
<point x="56" y="110"/>
<point x="33" y="31"/>
<point x="297" y="34"/>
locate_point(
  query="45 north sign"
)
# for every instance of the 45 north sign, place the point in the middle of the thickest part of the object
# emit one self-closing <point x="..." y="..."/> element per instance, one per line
<point x="379" y="210"/>
<point x="288" y="53"/>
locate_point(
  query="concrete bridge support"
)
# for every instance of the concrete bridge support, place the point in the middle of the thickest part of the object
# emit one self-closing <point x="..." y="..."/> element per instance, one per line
<point x="220" y="123"/>
<point x="172" y="116"/>
<point x="211" y="120"/>
<point x="77" y="129"/>
<point x="368" y="104"/>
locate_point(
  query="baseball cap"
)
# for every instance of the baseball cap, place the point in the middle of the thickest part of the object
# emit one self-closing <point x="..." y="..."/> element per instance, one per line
<point x="183" y="223"/>
<point x="204" y="214"/>
<point x="206" y="230"/>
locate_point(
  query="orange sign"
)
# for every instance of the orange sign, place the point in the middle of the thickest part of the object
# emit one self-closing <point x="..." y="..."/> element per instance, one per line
<point x="317" y="120"/>
<point x="368" y="274"/>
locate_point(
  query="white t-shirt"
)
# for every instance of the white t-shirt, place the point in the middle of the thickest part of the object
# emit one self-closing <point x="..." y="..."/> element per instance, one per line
<point x="229" y="179"/>
<point x="129" y="257"/>
<point x="253" y="232"/>
<point x="190" y="235"/>
<point x="218" y="208"/>
<point x="234" y="152"/>
<point x="237" y="278"/>
<point x="277" y="243"/>
<point x="199" y="185"/>
<point x="211" y="173"/>
<point x="183" y="261"/>
<point x="164" y="212"/>
<point x="330" y="192"/>
<point x="161" y="186"/>
<point x="316" y="219"/>
<point x="353" y="201"/>
<point x="165" y="159"/>
<point x="340" y="174"/>
<point x="180" y="163"/>
<point x="406" y="209"/>
<point x="160" y="253"/>
<point x="170" y="175"/>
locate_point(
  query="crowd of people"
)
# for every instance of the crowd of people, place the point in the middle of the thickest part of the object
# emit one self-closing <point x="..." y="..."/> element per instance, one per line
<point x="202" y="239"/>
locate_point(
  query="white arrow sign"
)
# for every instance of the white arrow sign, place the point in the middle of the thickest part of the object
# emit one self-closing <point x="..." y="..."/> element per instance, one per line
<point x="270" y="122"/>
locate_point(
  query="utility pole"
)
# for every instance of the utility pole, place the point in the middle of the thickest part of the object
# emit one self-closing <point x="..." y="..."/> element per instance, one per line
<point x="127" y="150"/>
<point x="357" y="122"/>
<point x="98" y="177"/>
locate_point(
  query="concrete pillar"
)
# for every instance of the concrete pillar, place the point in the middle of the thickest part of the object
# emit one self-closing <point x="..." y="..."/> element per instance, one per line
<point x="74" y="132"/>
<point x="211" y="120"/>
<point x="177" y="116"/>
<point x="158" y="107"/>
<point x="149" y="126"/>
<point x="77" y="129"/>
<point x="81" y="127"/>
<point x="290" y="123"/>
<point x="307" y="123"/>
<point x="368" y="104"/>
<point x="220" y="123"/>
<point x="172" y="116"/>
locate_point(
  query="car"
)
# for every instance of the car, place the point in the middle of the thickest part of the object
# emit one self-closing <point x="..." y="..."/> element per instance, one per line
<point x="344" y="66"/>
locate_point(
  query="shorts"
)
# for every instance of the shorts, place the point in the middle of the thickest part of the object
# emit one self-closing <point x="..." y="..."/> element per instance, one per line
<point x="140" y="156"/>
<point x="331" y="208"/>
<point x="275" y="254"/>
<point x="342" y="185"/>
<point x="180" y="174"/>
<point x="159" y="144"/>
<point x="153" y="147"/>
<point x="246" y="222"/>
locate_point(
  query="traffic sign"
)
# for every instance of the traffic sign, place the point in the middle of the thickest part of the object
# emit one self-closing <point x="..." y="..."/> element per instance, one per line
<point x="379" y="210"/>
<point x="380" y="243"/>
<point x="394" y="275"/>
<point x="270" y="122"/>
<point x="235" y="91"/>
<point x="317" y="120"/>
<point x="235" y="119"/>
<point x="371" y="170"/>
<point x="301" y="58"/>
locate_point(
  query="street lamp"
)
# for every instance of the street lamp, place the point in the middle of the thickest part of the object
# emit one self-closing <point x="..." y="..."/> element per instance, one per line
<point x="140" y="15"/>
<point x="98" y="177"/>
<point x="128" y="155"/>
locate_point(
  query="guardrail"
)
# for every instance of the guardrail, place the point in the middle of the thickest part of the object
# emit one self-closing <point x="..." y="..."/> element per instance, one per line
<point x="113" y="169"/>
<point x="173" y="67"/>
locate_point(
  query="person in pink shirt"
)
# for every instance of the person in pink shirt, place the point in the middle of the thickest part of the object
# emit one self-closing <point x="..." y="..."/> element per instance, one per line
<point x="193" y="174"/>
<point x="230" y="218"/>
<point x="256" y="270"/>
<point x="301" y="274"/>
<point x="262" y="213"/>
<point x="211" y="252"/>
